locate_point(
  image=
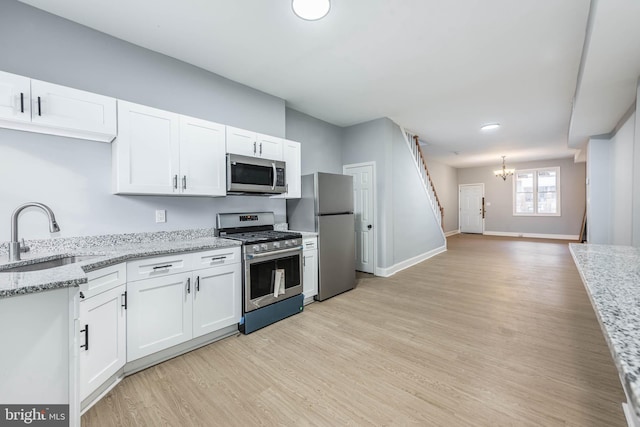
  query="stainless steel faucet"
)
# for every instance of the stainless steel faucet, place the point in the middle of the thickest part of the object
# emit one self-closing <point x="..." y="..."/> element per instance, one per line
<point x="14" y="245"/>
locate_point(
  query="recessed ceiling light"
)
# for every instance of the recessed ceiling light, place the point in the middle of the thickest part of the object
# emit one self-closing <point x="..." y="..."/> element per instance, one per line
<point x="311" y="10"/>
<point x="490" y="126"/>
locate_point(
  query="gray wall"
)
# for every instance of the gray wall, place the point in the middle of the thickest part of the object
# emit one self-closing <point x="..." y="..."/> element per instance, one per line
<point x="599" y="191"/>
<point x="499" y="193"/>
<point x="371" y="142"/>
<point x="445" y="181"/>
<point x="613" y="190"/>
<point x="621" y="170"/>
<point x="73" y="176"/>
<point x="321" y="142"/>
<point x="406" y="225"/>
<point x="635" y="195"/>
<point x="415" y="225"/>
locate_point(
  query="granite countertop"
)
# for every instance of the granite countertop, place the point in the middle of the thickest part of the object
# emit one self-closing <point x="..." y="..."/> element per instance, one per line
<point x="105" y="251"/>
<point x="611" y="275"/>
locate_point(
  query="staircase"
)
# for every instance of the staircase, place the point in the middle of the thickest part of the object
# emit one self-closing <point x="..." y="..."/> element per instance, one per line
<point x="421" y="164"/>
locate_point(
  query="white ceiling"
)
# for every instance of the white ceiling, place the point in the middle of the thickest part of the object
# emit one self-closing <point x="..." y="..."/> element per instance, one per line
<point x="611" y="66"/>
<point x="438" y="68"/>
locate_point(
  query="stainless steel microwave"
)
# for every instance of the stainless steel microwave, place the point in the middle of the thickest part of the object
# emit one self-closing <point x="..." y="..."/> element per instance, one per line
<point x="255" y="175"/>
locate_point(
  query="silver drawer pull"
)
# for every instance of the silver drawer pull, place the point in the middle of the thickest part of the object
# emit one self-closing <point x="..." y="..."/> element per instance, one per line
<point x="161" y="267"/>
<point x="218" y="258"/>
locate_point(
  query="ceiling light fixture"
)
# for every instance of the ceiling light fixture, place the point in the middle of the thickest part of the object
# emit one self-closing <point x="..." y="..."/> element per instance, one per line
<point x="504" y="172"/>
<point x="490" y="126"/>
<point x="311" y="10"/>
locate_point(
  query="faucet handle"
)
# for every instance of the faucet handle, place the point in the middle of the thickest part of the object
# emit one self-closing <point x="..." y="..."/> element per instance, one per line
<point x="24" y="247"/>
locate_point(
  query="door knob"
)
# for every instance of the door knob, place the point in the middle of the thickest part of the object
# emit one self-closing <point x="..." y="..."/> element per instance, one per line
<point x="369" y="226"/>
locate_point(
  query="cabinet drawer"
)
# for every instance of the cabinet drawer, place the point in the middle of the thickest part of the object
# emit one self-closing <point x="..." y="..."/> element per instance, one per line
<point x="216" y="257"/>
<point x="309" y="243"/>
<point x="104" y="279"/>
<point x="158" y="266"/>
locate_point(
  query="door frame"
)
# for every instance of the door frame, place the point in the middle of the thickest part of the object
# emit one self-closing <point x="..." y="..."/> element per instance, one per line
<point x="481" y="184"/>
<point x="374" y="188"/>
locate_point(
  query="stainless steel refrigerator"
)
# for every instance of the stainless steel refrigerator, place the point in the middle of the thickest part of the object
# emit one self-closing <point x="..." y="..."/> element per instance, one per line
<point x="326" y="207"/>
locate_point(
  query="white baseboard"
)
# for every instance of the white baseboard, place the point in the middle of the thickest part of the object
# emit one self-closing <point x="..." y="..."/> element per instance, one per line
<point x="390" y="271"/>
<point x="451" y="233"/>
<point x="532" y="235"/>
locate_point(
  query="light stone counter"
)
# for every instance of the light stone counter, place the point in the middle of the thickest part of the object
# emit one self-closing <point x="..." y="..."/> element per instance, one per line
<point x="109" y="249"/>
<point x="611" y="275"/>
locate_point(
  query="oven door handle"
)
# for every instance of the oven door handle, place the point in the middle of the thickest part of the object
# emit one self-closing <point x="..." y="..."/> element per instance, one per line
<point x="282" y="251"/>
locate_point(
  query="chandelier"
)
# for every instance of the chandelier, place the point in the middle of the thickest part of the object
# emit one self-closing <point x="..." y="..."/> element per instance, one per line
<point x="504" y="172"/>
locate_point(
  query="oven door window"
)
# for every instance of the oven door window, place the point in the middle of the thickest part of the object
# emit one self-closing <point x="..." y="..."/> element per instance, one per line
<point x="243" y="173"/>
<point x="262" y="274"/>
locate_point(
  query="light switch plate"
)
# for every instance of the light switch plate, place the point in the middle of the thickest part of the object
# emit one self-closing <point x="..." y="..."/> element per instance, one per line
<point x="161" y="215"/>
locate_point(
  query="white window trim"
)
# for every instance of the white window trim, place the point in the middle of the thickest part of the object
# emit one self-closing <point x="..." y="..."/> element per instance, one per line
<point x="535" y="192"/>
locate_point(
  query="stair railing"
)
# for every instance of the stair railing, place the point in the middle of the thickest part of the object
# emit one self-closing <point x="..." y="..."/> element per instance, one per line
<point x="418" y="156"/>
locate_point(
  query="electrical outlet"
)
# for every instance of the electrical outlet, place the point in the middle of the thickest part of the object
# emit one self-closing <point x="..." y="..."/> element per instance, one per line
<point x="161" y="215"/>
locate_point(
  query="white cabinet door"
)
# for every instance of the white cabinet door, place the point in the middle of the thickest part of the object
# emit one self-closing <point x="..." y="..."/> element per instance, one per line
<point x="202" y="157"/>
<point x="15" y="97"/>
<point x="146" y="152"/>
<point x="159" y="314"/>
<point x="310" y="268"/>
<point x="103" y="338"/>
<point x="72" y="109"/>
<point x="292" y="157"/>
<point x="241" y="141"/>
<point x="269" y="147"/>
<point x="217" y="298"/>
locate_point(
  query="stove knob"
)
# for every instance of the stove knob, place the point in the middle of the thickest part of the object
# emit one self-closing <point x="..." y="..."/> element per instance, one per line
<point x="264" y="246"/>
<point x="276" y="244"/>
<point x="287" y="243"/>
<point x="256" y="248"/>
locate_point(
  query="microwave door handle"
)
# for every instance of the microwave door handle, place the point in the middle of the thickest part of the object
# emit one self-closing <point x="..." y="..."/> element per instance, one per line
<point x="275" y="175"/>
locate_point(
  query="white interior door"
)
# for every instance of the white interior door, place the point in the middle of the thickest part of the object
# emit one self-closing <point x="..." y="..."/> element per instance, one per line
<point x="471" y="217"/>
<point x="363" y="195"/>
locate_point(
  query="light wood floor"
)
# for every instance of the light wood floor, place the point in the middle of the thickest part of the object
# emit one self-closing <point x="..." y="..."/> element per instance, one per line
<point x="494" y="332"/>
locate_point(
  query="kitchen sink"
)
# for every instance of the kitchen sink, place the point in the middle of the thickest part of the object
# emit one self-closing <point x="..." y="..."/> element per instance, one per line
<point x="43" y="265"/>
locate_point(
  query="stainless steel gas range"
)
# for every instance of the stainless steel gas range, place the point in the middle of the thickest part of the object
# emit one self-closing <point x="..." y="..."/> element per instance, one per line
<point x="272" y="267"/>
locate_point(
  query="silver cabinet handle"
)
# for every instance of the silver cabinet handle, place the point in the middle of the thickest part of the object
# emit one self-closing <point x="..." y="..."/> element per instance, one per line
<point x="218" y="258"/>
<point x="254" y="147"/>
<point x="175" y="182"/>
<point x="162" y="267"/>
<point x="189" y="285"/>
<point x="261" y="148"/>
<point x="184" y="182"/>
<point x="197" y="283"/>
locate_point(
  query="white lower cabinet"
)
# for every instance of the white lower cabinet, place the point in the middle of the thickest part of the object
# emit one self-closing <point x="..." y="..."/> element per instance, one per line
<point x="102" y="338"/>
<point x="159" y="314"/>
<point x="217" y="299"/>
<point x="170" y="309"/>
<point x="310" y="268"/>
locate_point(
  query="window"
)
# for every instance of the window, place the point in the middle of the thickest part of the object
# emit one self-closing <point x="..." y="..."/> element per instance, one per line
<point x="536" y="192"/>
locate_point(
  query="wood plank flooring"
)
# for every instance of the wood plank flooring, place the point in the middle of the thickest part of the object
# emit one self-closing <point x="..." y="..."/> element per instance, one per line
<point x="494" y="332"/>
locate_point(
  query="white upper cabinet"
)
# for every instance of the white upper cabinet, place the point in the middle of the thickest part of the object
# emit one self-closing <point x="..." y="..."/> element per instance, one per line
<point x="202" y="157"/>
<point x="291" y="154"/>
<point x="37" y="106"/>
<point x="15" y="100"/>
<point x="269" y="147"/>
<point x="240" y="141"/>
<point x="146" y="152"/>
<point x="158" y="152"/>
<point x="252" y="144"/>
